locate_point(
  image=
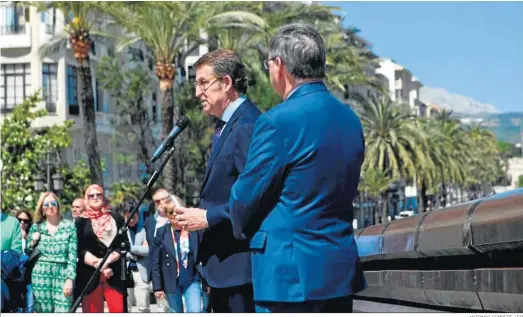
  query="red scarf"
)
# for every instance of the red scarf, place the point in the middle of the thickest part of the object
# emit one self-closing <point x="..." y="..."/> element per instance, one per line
<point x="100" y="218"/>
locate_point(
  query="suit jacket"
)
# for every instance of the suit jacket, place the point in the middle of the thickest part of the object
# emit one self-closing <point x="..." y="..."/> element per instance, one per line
<point x="139" y="251"/>
<point x="163" y="259"/>
<point x="150" y="231"/>
<point x="294" y="199"/>
<point x="225" y="260"/>
<point x="89" y="242"/>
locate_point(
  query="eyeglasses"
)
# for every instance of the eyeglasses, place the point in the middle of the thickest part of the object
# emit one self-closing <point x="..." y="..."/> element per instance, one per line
<point x="95" y="196"/>
<point x="204" y="89"/>
<point x="24" y="221"/>
<point x="53" y="203"/>
<point x="266" y="63"/>
<point x="161" y="200"/>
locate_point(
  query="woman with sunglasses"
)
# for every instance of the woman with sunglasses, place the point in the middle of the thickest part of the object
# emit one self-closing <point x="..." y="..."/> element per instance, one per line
<point x="55" y="269"/>
<point x="25" y="218"/>
<point x="97" y="226"/>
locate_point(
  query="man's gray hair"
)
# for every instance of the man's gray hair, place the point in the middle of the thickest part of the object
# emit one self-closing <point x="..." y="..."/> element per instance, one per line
<point x="301" y="48"/>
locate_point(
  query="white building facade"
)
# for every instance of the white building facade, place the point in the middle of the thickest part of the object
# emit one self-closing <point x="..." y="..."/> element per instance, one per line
<point x="403" y="87"/>
<point x="24" y="71"/>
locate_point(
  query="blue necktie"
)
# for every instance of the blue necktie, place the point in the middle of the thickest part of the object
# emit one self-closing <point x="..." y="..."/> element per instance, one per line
<point x="219" y="127"/>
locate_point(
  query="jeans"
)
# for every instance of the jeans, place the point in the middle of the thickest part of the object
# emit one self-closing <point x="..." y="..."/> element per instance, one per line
<point x="206" y="302"/>
<point x="192" y="295"/>
<point x="29" y="300"/>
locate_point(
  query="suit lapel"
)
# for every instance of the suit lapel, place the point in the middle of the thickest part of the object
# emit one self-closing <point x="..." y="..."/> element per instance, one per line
<point x="193" y="243"/>
<point x="168" y="240"/>
<point x="228" y="128"/>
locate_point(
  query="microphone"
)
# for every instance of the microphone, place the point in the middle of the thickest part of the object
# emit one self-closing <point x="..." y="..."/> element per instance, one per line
<point x="180" y="125"/>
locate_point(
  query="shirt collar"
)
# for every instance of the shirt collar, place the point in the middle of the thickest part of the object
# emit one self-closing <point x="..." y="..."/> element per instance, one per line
<point x="231" y="108"/>
<point x="299" y="86"/>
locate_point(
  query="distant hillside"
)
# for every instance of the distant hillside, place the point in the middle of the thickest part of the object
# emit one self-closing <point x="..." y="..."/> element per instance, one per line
<point x="455" y="102"/>
<point x="506" y="126"/>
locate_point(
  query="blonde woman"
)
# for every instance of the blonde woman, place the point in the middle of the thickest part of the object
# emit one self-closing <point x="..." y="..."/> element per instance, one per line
<point x="55" y="269"/>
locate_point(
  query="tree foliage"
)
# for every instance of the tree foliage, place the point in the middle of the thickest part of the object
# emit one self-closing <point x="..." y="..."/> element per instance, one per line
<point x="23" y="151"/>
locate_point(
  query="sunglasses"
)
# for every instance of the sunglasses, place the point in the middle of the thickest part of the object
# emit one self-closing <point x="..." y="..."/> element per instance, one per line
<point x="24" y="221"/>
<point x="158" y="201"/>
<point x="53" y="203"/>
<point x="95" y="196"/>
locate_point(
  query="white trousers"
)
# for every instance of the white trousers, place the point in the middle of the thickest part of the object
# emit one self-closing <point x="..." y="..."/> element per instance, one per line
<point x="139" y="295"/>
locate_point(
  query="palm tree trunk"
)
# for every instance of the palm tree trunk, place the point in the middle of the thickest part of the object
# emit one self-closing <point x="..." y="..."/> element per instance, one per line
<point x="169" y="172"/>
<point x="424" y="199"/>
<point x="385" y="210"/>
<point x="144" y="141"/>
<point x="376" y="210"/>
<point x="89" y="121"/>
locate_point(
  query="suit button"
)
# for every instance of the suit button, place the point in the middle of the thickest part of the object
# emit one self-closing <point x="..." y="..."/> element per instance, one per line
<point x="167" y="255"/>
<point x="168" y="264"/>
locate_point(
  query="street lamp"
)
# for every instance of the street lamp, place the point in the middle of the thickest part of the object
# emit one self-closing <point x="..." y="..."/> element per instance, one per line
<point x="58" y="183"/>
<point x="41" y="183"/>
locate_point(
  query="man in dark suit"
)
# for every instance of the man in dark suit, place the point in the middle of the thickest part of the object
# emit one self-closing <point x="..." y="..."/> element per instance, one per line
<point x="294" y="197"/>
<point x="159" y="218"/>
<point x="221" y="82"/>
<point x="151" y="226"/>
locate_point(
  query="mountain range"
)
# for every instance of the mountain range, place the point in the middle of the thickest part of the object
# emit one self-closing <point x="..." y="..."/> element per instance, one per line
<point x="457" y="103"/>
<point x="506" y="126"/>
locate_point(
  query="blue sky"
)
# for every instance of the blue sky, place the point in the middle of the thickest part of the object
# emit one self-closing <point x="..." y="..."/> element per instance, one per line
<point x="470" y="48"/>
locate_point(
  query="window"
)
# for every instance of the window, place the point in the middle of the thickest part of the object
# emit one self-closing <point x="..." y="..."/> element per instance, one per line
<point x="13" y="17"/>
<point x="49" y="18"/>
<point x="398" y="95"/>
<point x="15" y="82"/>
<point x="72" y="90"/>
<point x="192" y="74"/>
<point x="50" y="85"/>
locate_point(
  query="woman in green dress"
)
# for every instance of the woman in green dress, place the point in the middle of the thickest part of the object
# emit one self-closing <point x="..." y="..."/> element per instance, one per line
<point x="55" y="270"/>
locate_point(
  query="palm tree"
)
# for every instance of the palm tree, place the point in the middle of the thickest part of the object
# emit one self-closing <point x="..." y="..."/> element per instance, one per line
<point x="392" y="139"/>
<point x="375" y="183"/>
<point x="250" y="30"/>
<point x="170" y="30"/>
<point x="79" y="18"/>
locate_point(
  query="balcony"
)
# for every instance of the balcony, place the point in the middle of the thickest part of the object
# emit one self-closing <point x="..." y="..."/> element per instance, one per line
<point x="15" y="36"/>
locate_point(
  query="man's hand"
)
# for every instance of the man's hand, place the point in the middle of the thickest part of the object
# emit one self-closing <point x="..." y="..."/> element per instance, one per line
<point x="159" y="294"/>
<point x="191" y="219"/>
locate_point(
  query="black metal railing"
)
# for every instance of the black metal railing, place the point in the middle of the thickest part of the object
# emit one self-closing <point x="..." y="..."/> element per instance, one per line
<point x="7" y="108"/>
<point x="50" y="28"/>
<point x="12" y="29"/>
<point x="74" y="109"/>
<point x="50" y="107"/>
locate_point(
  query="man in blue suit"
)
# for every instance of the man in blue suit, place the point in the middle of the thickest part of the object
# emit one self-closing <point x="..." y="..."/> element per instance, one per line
<point x="294" y="197"/>
<point x="221" y="83"/>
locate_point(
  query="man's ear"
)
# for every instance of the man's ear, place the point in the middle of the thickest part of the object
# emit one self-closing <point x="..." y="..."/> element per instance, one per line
<point x="227" y="82"/>
<point x="279" y="65"/>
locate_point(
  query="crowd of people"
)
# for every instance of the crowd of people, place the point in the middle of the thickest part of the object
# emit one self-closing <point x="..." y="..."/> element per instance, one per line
<point x="70" y="251"/>
<point x="273" y="231"/>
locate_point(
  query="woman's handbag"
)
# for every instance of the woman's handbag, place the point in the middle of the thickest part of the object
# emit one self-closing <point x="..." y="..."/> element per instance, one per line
<point x="35" y="254"/>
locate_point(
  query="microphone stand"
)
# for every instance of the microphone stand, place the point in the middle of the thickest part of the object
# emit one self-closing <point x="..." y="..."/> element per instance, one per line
<point x="122" y="232"/>
<point x="123" y="268"/>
